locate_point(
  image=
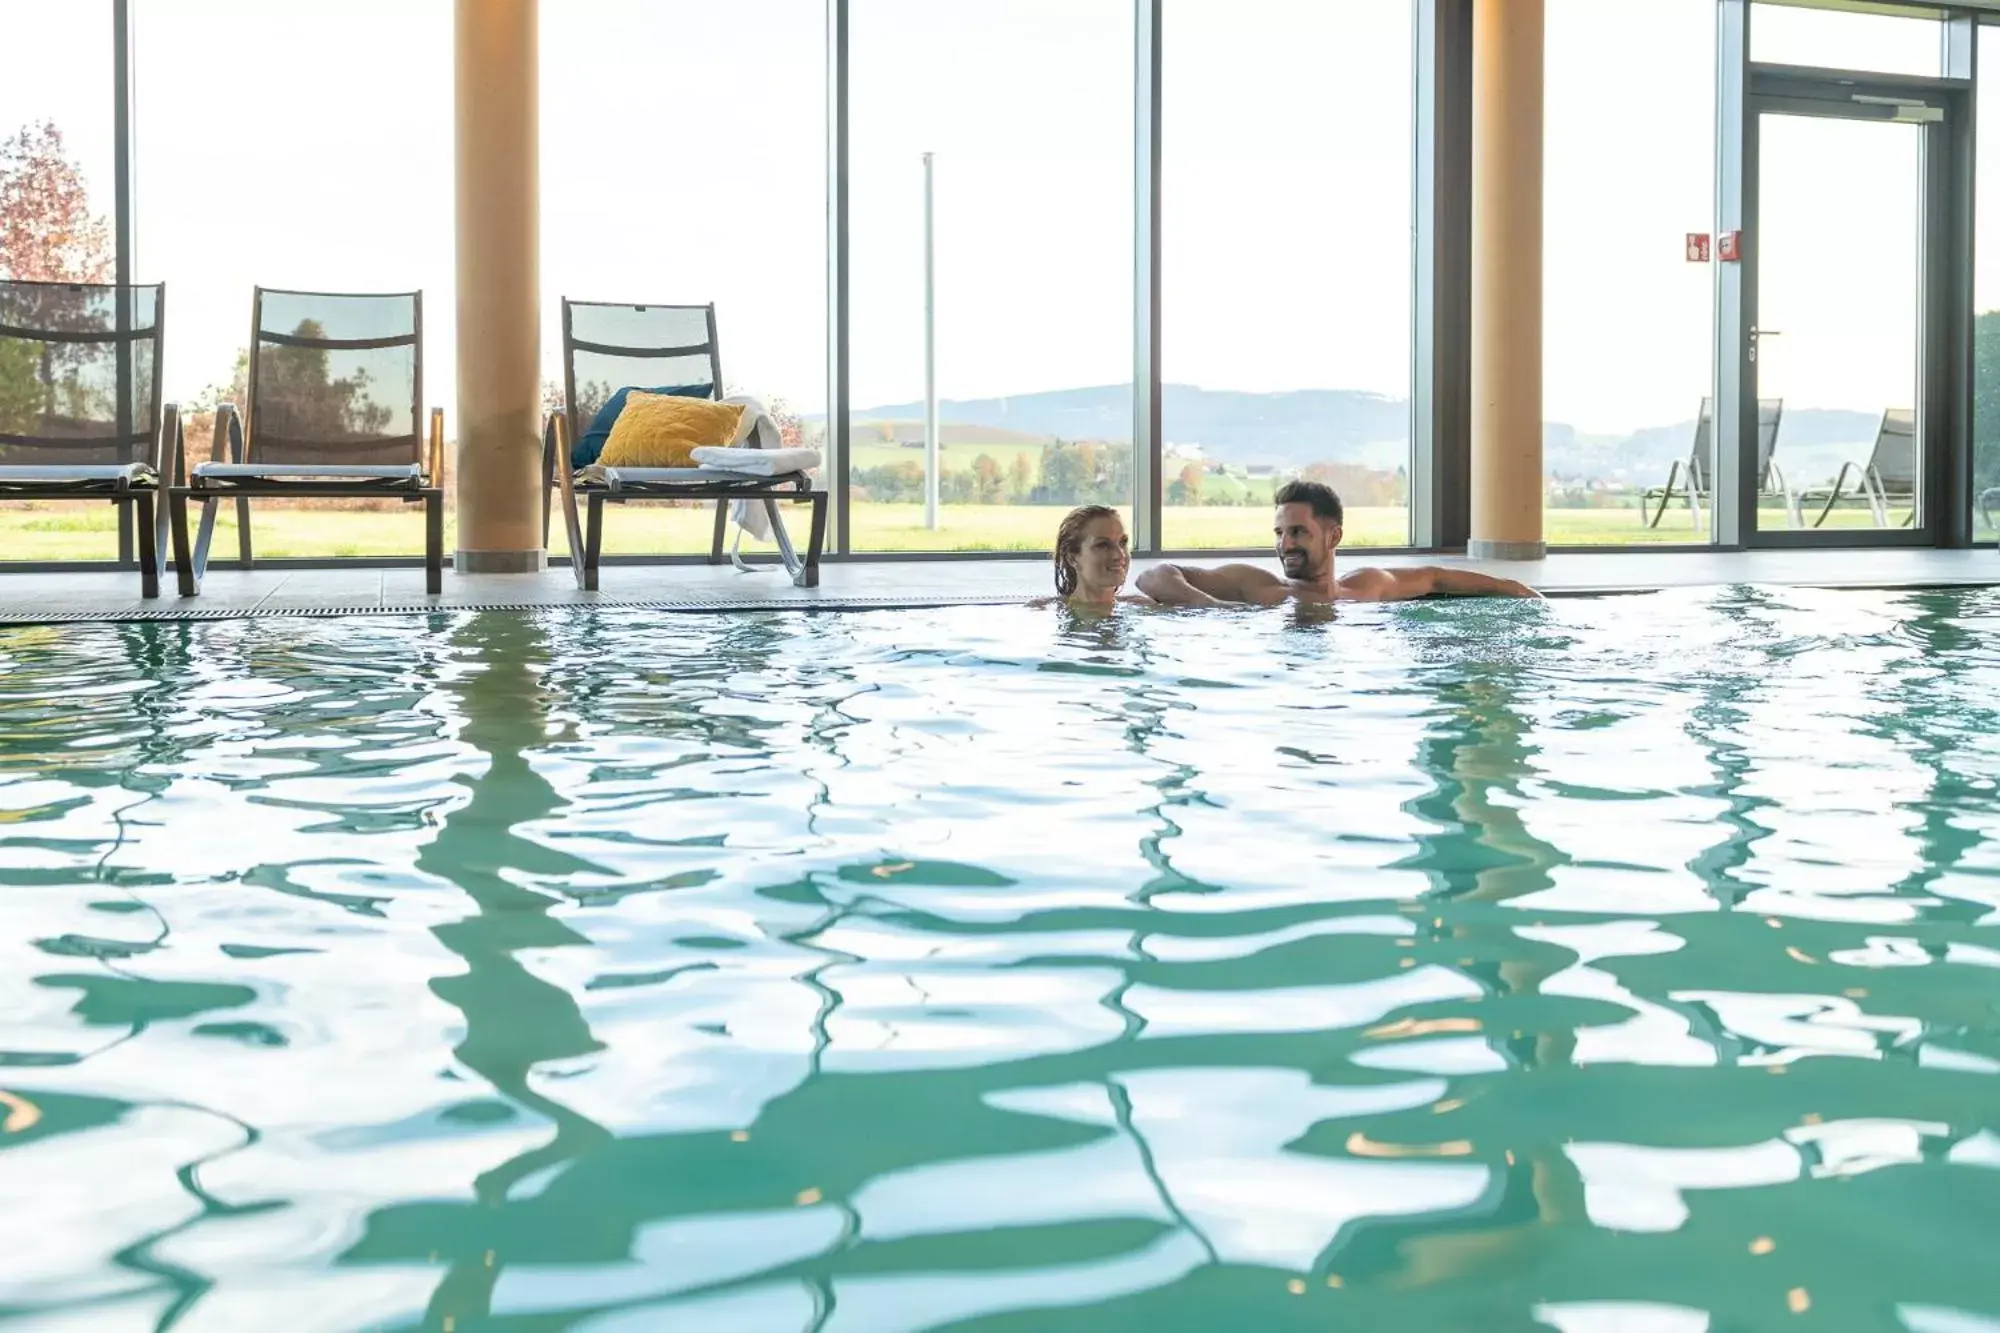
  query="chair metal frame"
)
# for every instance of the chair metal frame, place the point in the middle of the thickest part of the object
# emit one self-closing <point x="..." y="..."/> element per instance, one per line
<point x="1874" y="487"/>
<point x="234" y="447"/>
<point x="1699" y="487"/>
<point x="586" y="531"/>
<point x="135" y="484"/>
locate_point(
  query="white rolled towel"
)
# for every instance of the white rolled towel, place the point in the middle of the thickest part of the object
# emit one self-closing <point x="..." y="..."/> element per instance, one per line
<point x="758" y="462"/>
<point x="757" y="439"/>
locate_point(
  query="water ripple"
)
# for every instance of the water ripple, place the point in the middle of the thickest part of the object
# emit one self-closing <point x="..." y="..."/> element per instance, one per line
<point x="1591" y="966"/>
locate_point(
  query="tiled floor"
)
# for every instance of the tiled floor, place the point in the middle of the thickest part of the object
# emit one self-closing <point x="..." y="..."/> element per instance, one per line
<point x="37" y="597"/>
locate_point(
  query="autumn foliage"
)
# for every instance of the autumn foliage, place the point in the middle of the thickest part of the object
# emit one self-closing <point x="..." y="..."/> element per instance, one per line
<point x="47" y="231"/>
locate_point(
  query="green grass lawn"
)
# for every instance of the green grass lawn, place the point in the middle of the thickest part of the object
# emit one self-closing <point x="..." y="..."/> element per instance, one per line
<point x="88" y="532"/>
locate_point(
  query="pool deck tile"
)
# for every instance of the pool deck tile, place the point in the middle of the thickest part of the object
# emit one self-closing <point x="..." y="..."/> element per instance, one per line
<point x="30" y="597"/>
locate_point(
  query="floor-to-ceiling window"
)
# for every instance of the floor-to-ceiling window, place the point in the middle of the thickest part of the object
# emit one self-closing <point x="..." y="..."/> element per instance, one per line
<point x="1838" y="338"/>
<point x="1885" y="43"/>
<point x="1985" y="497"/>
<point x="1628" y="337"/>
<point x="55" y="223"/>
<point x="1024" y="110"/>
<point x="306" y="146"/>
<point x="683" y="163"/>
<point x="1286" y="265"/>
<point x="309" y="145"/>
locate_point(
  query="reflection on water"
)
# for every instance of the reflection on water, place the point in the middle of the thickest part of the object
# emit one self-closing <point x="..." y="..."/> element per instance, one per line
<point x="1585" y="966"/>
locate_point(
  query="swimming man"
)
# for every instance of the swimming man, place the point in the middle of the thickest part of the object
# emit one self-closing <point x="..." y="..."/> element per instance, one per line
<point x="1308" y="530"/>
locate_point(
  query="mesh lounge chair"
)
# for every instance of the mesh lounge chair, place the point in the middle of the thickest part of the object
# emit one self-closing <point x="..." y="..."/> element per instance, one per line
<point x="607" y="347"/>
<point x="65" y="350"/>
<point x="336" y="395"/>
<point x="1889" y="476"/>
<point x="1691" y="481"/>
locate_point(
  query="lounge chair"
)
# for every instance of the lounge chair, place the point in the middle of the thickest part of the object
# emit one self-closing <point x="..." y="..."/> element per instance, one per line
<point x="1690" y="481"/>
<point x="607" y="347"/>
<point x="1889" y="475"/>
<point x="336" y="398"/>
<point x="69" y="352"/>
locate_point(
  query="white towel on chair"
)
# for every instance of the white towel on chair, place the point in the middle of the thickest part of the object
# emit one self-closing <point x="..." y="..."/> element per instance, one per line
<point x="758" y="462"/>
<point x="759" y="431"/>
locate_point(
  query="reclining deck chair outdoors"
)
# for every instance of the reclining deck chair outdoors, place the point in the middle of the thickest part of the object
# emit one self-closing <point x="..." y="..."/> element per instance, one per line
<point x="1889" y="475"/>
<point x="1698" y="487"/>
<point x="671" y="348"/>
<point x="80" y="410"/>
<point x="336" y="397"/>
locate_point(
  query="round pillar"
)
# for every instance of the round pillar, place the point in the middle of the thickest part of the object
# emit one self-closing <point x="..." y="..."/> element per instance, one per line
<point x="499" y="279"/>
<point x="1507" y="281"/>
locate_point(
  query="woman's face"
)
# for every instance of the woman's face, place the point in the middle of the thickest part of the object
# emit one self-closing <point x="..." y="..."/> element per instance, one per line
<point x="1106" y="555"/>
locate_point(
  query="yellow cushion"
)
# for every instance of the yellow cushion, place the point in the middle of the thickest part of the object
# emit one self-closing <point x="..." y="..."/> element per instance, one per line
<point x="663" y="430"/>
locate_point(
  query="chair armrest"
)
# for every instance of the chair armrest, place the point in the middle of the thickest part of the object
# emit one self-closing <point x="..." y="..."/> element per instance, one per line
<point x="1832" y="497"/>
<point x="434" y="465"/>
<point x="1673" y="475"/>
<point x="556" y="439"/>
<point x="1839" y="485"/>
<point x="555" y="435"/>
<point x="227" y="446"/>
<point x="556" y="442"/>
<point x="170" y="449"/>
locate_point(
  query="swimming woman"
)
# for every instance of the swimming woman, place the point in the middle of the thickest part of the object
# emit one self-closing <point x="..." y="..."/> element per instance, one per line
<point x="1093" y="556"/>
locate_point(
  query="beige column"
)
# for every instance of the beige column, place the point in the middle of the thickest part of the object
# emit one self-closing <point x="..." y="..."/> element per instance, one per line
<point x="1506" y="280"/>
<point x="499" y="281"/>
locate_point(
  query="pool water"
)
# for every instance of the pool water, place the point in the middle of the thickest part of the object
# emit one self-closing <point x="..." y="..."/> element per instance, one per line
<point x="1595" y="965"/>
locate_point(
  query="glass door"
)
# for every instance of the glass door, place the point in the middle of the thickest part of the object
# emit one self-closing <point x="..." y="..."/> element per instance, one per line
<point x="1845" y="339"/>
<point x="1839" y="304"/>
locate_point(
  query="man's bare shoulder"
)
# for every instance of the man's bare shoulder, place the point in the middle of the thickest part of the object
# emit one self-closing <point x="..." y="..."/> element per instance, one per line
<point x="1369" y="584"/>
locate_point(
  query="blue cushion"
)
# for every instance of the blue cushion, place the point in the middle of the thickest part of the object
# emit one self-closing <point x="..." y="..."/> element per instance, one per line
<point x="591" y="443"/>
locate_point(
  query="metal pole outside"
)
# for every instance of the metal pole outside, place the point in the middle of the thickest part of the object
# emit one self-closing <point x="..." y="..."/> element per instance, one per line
<point x="1150" y="31"/>
<point x="931" y="469"/>
<point x="121" y="208"/>
<point x="838" y="436"/>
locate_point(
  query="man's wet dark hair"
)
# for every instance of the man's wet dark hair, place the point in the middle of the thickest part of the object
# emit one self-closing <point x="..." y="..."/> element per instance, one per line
<point x="1322" y="499"/>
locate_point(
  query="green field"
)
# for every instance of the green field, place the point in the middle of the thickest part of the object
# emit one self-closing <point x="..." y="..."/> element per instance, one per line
<point x="87" y="532"/>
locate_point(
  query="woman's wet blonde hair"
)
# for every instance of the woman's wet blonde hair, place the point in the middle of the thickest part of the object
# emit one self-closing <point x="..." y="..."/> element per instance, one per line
<point x="1069" y="542"/>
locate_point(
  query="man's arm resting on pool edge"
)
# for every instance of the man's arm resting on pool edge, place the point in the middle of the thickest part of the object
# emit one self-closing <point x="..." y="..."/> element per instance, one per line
<point x="1226" y="585"/>
<point x="1402" y="585"/>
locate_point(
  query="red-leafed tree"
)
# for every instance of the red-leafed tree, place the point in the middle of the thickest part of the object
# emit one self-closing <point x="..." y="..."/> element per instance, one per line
<point x="47" y="234"/>
<point x="47" y="230"/>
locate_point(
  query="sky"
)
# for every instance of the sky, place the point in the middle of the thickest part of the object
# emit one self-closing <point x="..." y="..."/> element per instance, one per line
<point x="307" y="144"/>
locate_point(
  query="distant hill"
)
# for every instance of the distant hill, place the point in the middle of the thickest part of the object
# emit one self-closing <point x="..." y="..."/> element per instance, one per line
<point x="910" y="433"/>
<point x="1291" y="429"/>
<point x="1284" y="429"/>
